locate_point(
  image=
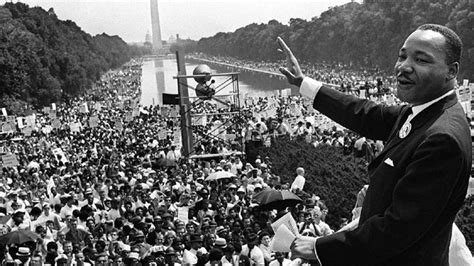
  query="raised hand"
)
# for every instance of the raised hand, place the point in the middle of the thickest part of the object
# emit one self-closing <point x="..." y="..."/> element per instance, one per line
<point x="292" y="71"/>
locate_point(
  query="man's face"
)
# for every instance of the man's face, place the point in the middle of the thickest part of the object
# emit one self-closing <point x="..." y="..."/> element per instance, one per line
<point x="180" y="232"/>
<point x="35" y="261"/>
<point x="421" y="69"/>
<point x="67" y="247"/>
<point x="90" y="198"/>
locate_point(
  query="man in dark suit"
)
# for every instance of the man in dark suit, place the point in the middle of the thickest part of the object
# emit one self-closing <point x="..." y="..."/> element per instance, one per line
<point x="419" y="181"/>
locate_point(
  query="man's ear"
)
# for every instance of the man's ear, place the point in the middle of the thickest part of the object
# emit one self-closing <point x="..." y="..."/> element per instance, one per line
<point x="453" y="70"/>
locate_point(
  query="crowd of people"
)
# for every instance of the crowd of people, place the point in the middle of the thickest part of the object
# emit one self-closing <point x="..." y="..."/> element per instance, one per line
<point x="102" y="181"/>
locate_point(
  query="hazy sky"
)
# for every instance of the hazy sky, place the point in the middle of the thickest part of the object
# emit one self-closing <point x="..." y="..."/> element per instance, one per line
<point x="130" y="19"/>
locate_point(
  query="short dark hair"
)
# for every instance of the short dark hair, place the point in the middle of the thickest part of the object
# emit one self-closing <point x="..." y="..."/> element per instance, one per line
<point x="453" y="42"/>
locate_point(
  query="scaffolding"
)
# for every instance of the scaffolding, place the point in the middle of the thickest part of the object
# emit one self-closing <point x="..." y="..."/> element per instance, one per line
<point x="231" y="116"/>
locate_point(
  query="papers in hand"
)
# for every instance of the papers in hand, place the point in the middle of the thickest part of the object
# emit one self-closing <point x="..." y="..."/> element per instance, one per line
<point x="285" y="233"/>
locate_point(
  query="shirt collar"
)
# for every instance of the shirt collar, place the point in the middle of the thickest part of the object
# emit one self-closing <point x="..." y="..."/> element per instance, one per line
<point x="418" y="108"/>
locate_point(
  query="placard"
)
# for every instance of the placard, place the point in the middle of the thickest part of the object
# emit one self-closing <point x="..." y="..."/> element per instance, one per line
<point x="11" y="118"/>
<point x="135" y="112"/>
<point x="7" y="127"/>
<point x="46" y="109"/>
<point x="199" y="120"/>
<point x="10" y="160"/>
<point x="93" y="121"/>
<point x="75" y="127"/>
<point x="56" y="124"/>
<point x="27" y="131"/>
<point x="118" y="124"/>
<point x="183" y="213"/>
<point x="52" y="114"/>
<point x="58" y="152"/>
<point x="177" y="139"/>
<point x="162" y="134"/>
<point x="31" y="120"/>
<point x="84" y="108"/>
<point x="230" y="137"/>
<point x="173" y="112"/>
<point x="129" y="116"/>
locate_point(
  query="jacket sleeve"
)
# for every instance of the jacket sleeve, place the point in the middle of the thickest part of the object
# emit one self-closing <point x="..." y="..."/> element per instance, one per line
<point x="365" y="117"/>
<point x="419" y="203"/>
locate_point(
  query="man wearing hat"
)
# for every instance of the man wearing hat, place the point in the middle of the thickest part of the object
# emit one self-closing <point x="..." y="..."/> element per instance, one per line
<point x="197" y="253"/>
<point x="140" y="243"/>
<point x="220" y="243"/>
<point x="13" y="199"/>
<point x="171" y="257"/>
<point x="133" y="259"/>
<point x="89" y="200"/>
<point x="23" y="255"/>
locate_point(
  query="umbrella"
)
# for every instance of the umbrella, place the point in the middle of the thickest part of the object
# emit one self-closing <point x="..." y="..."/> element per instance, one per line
<point x="18" y="237"/>
<point x="219" y="175"/>
<point x="4" y="219"/>
<point x="269" y="199"/>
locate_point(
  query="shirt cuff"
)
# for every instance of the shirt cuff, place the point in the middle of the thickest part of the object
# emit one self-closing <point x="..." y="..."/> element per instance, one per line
<point x="309" y="88"/>
<point x="316" y="254"/>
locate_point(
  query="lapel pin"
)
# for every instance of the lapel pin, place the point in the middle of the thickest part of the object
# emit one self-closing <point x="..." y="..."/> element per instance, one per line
<point x="405" y="130"/>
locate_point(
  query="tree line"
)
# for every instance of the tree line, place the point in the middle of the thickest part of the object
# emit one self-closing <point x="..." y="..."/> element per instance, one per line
<point x="45" y="60"/>
<point x="366" y="35"/>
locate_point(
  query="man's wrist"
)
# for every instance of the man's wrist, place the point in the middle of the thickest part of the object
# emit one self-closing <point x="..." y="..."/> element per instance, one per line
<point x="309" y="87"/>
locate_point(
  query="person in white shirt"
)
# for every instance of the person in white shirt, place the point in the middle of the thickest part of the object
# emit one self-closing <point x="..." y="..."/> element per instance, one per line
<point x="68" y="208"/>
<point x="280" y="260"/>
<point x="47" y="215"/>
<point x="173" y="155"/>
<point x="253" y="251"/>
<point x="299" y="181"/>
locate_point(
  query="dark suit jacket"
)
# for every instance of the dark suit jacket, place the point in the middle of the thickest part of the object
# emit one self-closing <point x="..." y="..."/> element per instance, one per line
<point x="409" y="207"/>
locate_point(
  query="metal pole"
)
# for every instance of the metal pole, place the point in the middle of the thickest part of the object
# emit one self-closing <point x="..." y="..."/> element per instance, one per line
<point x="186" y="130"/>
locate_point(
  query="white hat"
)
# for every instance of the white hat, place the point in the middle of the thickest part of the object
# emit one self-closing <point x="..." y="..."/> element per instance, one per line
<point x="133" y="255"/>
<point x="23" y="251"/>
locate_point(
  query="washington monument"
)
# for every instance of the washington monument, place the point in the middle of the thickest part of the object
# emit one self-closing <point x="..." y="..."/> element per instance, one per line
<point x="155" y="26"/>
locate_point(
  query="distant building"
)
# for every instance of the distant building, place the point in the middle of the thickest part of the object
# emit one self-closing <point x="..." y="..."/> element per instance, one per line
<point x="148" y="42"/>
<point x="171" y="39"/>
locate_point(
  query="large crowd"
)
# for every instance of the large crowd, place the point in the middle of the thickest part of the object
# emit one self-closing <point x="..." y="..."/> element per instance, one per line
<point x="101" y="180"/>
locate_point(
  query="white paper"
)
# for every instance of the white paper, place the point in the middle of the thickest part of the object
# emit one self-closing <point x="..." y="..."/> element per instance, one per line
<point x="288" y="221"/>
<point x="282" y="240"/>
<point x="183" y="214"/>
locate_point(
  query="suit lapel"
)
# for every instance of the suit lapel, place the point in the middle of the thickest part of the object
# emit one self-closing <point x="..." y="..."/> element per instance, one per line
<point x="422" y="118"/>
<point x="393" y="138"/>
